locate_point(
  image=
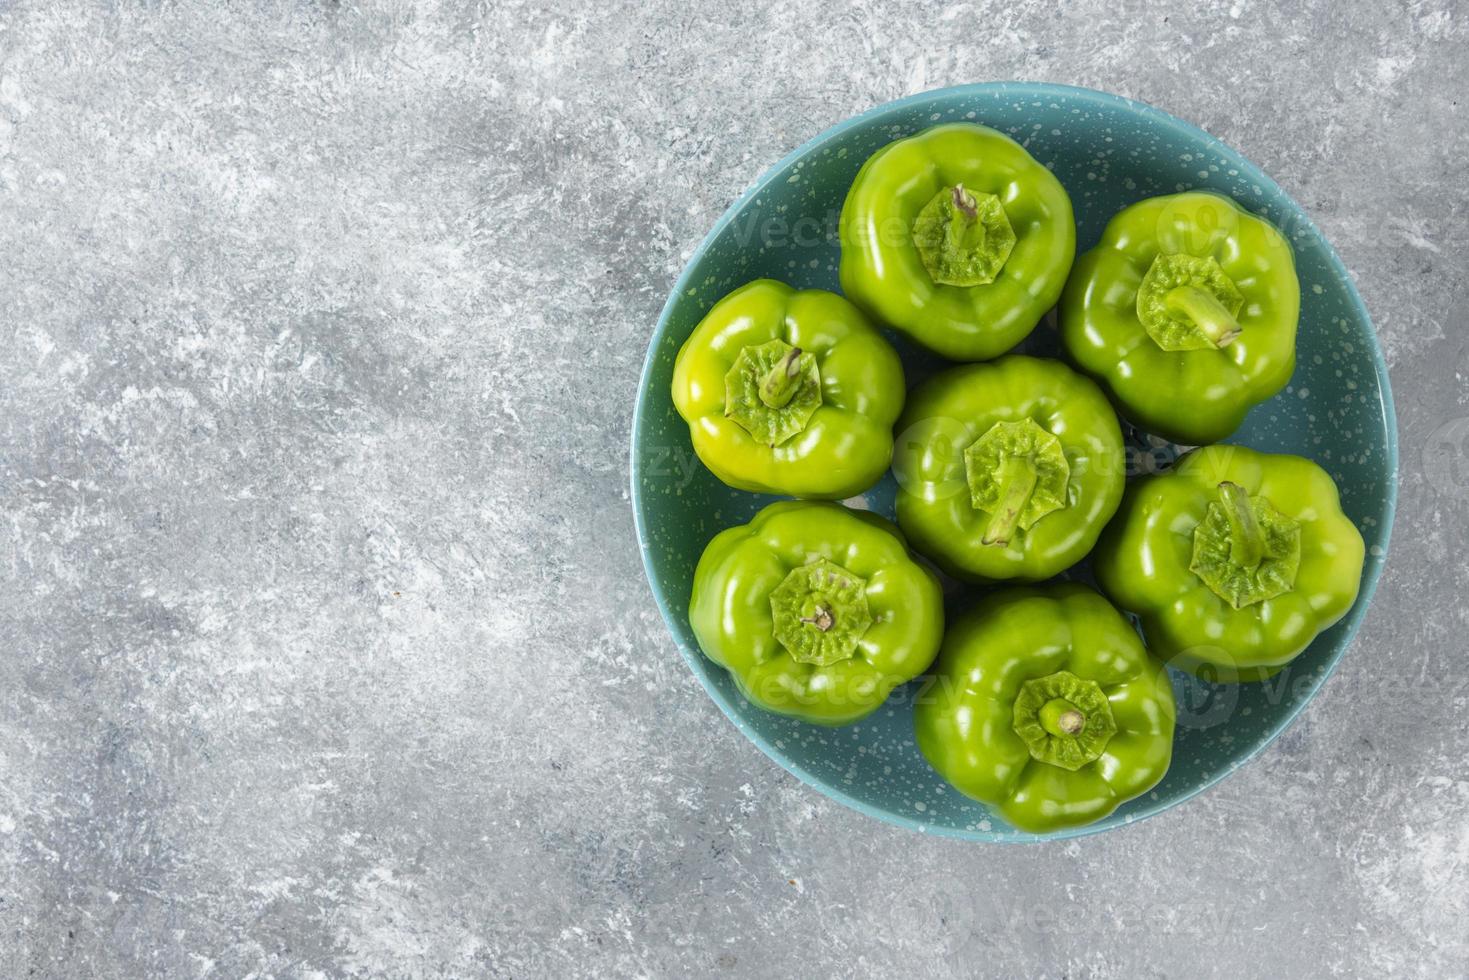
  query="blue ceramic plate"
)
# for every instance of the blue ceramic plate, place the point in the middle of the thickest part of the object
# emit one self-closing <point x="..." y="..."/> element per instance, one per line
<point x="1108" y="152"/>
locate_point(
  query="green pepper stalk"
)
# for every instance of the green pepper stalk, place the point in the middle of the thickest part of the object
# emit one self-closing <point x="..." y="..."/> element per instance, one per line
<point x="1018" y="478"/>
<point x="1205" y="311"/>
<point x="1246" y="540"/>
<point x="782" y="380"/>
<point x="965" y="202"/>
<point x="822" y="619"/>
<point x="1060" y="718"/>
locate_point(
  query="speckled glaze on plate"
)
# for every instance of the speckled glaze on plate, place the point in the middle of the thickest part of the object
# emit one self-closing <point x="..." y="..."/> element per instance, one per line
<point x="1108" y="152"/>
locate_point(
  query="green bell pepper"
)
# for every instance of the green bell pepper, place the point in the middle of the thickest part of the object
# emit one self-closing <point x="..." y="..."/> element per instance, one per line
<point x="1186" y="313"/>
<point x="957" y="237"/>
<point x="1045" y="706"/>
<point x="1007" y="470"/>
<point x="789" y="392"/>
<point x="1234" y="561"/>
<point x="816" y="611"/>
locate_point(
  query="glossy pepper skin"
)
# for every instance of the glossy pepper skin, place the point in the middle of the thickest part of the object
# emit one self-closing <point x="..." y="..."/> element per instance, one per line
<point x="1007" y="470"/>
<point x="790" y="392"/>
<point x="957" y="237"/>
<point x="816" y="611"/>
<point x="1045" y="706"/>
<point x="1186" y="313"/>
<point x="1234" y="561"/>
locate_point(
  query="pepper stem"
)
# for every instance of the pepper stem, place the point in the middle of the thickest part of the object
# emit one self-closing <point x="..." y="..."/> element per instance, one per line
<point x="966" y="231"/>
<point x="1246" y="540"/>
<point x="965" y="202"/>
<point x="1061" y="718"/>
<point x="821" y="619"/>
<point x="1203" y="310"/>
<point x="779" y="385"/>
<point x="1017" y="482"/>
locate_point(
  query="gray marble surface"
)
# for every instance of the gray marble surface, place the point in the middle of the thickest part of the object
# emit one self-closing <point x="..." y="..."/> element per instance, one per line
<point x="326" y="646"/>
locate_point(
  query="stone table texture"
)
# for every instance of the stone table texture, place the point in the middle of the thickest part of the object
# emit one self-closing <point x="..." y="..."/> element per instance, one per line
<point x="325" y="646"/>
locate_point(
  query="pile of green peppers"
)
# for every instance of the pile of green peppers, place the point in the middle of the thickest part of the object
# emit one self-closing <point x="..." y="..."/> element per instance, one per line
<point x="1042" y="702"/>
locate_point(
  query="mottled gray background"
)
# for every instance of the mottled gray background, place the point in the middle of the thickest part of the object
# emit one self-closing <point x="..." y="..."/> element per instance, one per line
<point x="326" y="645"/>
